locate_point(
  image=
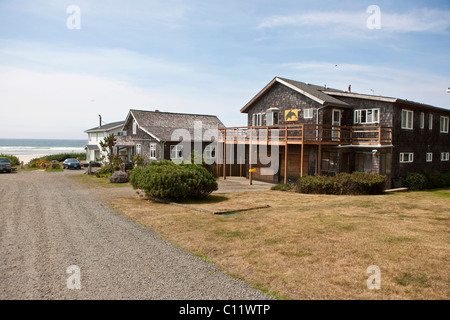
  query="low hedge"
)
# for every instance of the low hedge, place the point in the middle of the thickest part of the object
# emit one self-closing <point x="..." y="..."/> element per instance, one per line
<point x="176" y="182"/>
<point x="357" y="183"/>
<point x="427" y="180"/>
<point x="12" y="159"/>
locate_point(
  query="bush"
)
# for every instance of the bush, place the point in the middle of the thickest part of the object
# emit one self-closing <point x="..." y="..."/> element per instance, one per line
<point x="104" y="172"/>
<point x="55" y="165"/>
<point x="169" y="181"/>
<point x="445" y="179"/>
<point x="343" y="183"/>
<point x="416" y="181"/>
<point x="433" y="179"/>
<point x="13" y="159"/>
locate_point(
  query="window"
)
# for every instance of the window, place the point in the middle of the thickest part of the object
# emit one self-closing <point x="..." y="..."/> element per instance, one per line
<point x="308" y="113"/>
<point x="422" y="120"/>
<point x="429" y="156"/>
<point x="445" y="156"/>
<point x="363" y="162"/>
<point x="256" y="121"/>
<point x="134" y="126"/>
<point x="210" y="152"/>
<point x="430" y="121"/>
<point x="406" y="157"/>
<point x="272" y="117"/>
<point x="407" y="119"/>
<point x="176" y="152"/>
<point x="444" y="124"/>
<point x="153" y="150"/>
<point x="138" y="149"/>
<point x="367" y="116"/>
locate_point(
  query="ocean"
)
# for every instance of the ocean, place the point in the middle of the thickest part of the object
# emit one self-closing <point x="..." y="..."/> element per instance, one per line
<point x="27" y="149"/>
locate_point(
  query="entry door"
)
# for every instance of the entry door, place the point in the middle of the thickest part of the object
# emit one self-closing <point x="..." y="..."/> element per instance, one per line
<point x="336" y="121"/>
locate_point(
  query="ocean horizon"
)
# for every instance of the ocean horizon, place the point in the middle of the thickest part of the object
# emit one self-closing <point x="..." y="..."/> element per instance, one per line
<point x="24" y="148"/>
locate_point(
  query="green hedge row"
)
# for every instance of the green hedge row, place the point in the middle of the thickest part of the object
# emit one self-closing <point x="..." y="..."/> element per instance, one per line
<point x="176" y="182"/>
<point x="427" y="180"/>
<point x="357" y="183"/>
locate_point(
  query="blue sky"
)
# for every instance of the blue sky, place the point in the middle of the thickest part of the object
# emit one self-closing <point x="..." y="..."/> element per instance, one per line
<point x="208" y="57"/>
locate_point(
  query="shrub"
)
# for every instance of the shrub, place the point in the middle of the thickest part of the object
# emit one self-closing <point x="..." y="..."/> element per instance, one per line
<point x="343" y="183"/>
<point x="169" y="181"/>
<point x="104" y="172"/>
<point x="433" y="179"/>
<point x="416" y="181"/>
<point x="445" y="179"/>
<point x="55" y="165"/>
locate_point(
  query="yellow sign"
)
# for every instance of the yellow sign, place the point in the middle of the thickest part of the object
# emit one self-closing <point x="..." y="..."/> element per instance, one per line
<point x="252" y="170"/>
<point x="291" y="115"/>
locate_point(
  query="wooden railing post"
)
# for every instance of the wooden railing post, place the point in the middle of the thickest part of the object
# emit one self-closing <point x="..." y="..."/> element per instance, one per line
<point x="224" y="154"/>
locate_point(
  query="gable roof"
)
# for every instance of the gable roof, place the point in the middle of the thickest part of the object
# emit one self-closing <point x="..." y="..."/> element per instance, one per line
<point x="311" y="91"/>
<point x="161" y="125"/>
<point x="106" y="127"/>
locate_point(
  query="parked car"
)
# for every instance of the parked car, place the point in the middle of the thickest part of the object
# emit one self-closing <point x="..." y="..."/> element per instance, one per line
<point x="5" y="165"/>
<point x="71" y="163"/>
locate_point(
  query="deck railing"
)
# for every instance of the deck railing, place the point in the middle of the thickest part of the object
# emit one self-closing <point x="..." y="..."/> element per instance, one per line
<point x="308" y="134"/>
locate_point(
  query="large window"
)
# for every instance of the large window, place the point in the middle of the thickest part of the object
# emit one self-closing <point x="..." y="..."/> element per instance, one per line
<point x="257" y="119"/>
<point x="444" y="124"/>
<point x="367" y="116"/>
<point x="138" y="149"/>
<point x="363" y="162"/>
<point x="406" y="157"/>
<point x="407" y="119"/>
<point x="153" y="150"/>
<point x="176" y="152"/>
<point x="210" y="152"/>
<point x="272" y="117"/>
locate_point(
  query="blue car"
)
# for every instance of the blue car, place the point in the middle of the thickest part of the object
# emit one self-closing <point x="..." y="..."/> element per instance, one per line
<point x="71" y="163"/>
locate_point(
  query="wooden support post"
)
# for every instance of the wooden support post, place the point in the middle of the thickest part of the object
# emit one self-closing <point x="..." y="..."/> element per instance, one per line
<point x="250" y="178"/>
<point x="285" y="155"/>
<point x="302" y="147"/>
<point x="225" y="155"/>
<point x="379" y="135"/>
<point x="319" y="160"/>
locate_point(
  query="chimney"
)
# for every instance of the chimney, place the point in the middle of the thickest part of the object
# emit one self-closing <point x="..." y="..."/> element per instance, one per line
<point x="156" y="110"/>
<point x="100" y="120"/>
<point x="349" y="88"/>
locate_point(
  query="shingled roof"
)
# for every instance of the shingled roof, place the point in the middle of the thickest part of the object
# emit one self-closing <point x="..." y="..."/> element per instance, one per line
<point x="161" y="125"/>
<point x="106" y="127"/>
<point x="314" y="92"/>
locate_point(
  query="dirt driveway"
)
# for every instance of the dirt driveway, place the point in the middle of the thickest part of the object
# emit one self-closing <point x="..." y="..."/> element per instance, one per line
<point x="59" y="241"/>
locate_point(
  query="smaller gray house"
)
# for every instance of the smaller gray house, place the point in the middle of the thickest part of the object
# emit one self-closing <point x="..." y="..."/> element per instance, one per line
<point x="163" y="135"/>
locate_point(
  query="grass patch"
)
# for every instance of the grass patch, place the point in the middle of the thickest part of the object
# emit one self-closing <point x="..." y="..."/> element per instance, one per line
<point x="307" y="246"/>
<point x="407" y="278"/>
<point x="394" y="239"/>
<point x="94" y="182"/>
<point x="54" y="170"/>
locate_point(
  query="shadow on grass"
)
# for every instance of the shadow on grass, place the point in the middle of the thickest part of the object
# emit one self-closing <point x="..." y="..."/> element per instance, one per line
<point x="212" y="198"/>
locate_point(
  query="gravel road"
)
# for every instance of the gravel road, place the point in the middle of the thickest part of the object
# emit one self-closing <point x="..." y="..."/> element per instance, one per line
<point x="49" y="223"/>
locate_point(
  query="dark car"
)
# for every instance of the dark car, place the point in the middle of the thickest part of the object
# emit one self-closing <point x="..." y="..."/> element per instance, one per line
<point x="5" y="165"/>
<point x="71" y="163"/>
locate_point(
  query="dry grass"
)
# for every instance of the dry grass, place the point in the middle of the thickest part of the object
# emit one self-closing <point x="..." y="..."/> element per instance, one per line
<point x="316" y="246"/>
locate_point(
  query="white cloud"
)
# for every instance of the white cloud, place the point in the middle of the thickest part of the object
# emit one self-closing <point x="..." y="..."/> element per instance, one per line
<point x="425" y="20"/>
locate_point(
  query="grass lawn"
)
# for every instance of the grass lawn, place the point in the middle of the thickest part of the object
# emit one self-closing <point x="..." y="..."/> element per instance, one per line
<point x="94" y="182"/>
<point x="316" y="246"/>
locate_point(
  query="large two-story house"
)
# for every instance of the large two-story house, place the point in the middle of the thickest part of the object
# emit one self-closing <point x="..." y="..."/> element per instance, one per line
<point x="318" y="130"/>
<point x="96" y="135"/>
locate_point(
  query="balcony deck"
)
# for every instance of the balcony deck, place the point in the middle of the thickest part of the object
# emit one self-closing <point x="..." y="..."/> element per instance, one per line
<point x="317" y="134"/>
